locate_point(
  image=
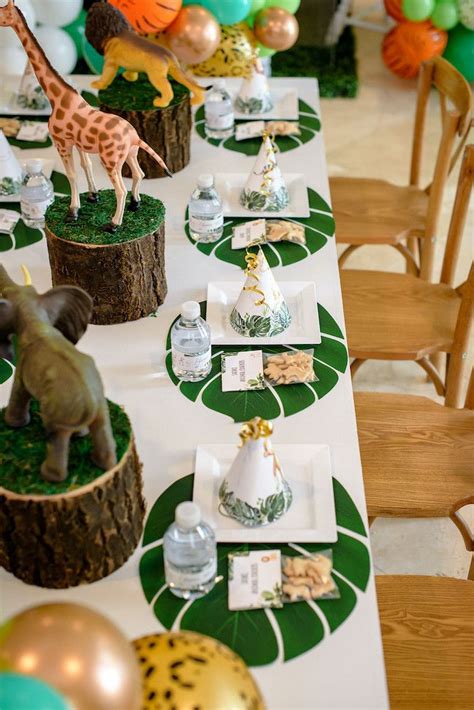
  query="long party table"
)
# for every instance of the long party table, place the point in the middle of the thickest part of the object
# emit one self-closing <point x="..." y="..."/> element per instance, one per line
<point x="308" y="655"/>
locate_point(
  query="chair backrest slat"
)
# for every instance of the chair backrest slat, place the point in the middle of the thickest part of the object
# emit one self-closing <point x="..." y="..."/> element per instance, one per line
<point x="463" y="335"/>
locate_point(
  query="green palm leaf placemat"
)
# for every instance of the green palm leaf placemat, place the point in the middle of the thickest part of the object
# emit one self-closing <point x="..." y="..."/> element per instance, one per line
<point x="309" y="124"/>
<point x="319" y="227"/>
<point x="297" y="627"/>
<point x="335" y="67"/>
<point x="330" y="360"/>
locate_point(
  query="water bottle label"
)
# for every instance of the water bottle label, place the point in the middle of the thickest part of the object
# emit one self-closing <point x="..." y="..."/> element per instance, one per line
<point x="35" y="210"/>
<point x="212" y="224"/>
<point x="190" y="580"/>
<point x="216" y="120"/>
<point x="189" y="363"/>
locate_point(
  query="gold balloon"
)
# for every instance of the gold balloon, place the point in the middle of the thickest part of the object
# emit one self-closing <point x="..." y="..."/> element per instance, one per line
<point x="233" y="55"/>
<point x="195" y="34"/>
<point x="77" y="651"/>
<point x="276" y="28"/>
<point x="186" y="670"/>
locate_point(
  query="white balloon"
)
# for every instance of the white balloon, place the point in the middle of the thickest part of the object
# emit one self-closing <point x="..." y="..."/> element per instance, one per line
<point x="57" y="13"/>
<point x="12" y="60"/>
<point x="58" y="47"/>
<point x="8" y="37"/>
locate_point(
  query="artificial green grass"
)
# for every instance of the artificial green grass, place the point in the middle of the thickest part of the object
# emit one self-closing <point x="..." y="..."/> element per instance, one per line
<point x="92" y="217"/>
<point x="137" y="95"/>
<point x="334" y="67"/>
<point x="22" y="451"/>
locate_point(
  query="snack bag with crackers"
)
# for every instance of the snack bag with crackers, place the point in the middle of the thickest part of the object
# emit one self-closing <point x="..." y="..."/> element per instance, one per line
<point x="309" y="577"/>
<point x="289" y="368"/>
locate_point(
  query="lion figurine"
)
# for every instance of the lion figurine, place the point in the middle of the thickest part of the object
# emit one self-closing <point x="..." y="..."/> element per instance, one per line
<point x="110" y="33"/>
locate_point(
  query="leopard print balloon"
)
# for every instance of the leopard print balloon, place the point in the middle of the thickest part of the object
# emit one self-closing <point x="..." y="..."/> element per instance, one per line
<point x="233" y="55"/>
<point x="189" y="670"/>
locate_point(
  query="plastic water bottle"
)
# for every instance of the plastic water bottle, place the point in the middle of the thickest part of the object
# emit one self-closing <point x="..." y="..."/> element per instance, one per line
<point x="191" y="344"/>
<point x="36" y="194"/>
<point x="218" y="112"/>
<point x="190" y="553"/>
<point x="206" y="216"/>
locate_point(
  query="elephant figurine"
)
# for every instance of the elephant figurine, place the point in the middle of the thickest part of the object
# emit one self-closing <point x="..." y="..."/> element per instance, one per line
<point x="64" y="381"/>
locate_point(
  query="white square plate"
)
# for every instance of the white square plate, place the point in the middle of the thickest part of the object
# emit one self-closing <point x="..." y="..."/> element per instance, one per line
<point x="300" y="297"/>
<point x="285" y="107"/>
<point x="48" y="165"/>
<point x="307" y="468"/>
<point x="230" y="185"/>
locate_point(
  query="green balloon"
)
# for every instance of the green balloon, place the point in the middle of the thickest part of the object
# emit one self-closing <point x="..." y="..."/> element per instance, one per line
<point x="417" y="10"/>
<point x="460" y="50"/>
<point x="250" y="20"/>
<point x="76" y="31"/>
<point x="257" y="5"/>
<point x="445" y="15"/>
<point x="290" y="6"/>
<point x="265" y="51"/>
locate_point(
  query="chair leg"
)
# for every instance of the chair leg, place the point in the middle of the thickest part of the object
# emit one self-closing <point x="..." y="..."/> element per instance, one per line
<point x="470" y="574"/>
<point x="411" y="253"/>
<point x="467" y="537"/>
<point x="372" y="519"/>
<point x="346" y="254"/>
<point x="433" y="374"/>
<point x="355" y="365"/>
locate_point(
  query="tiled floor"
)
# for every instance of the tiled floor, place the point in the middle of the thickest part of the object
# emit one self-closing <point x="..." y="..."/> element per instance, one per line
<point x="371" y="136"/>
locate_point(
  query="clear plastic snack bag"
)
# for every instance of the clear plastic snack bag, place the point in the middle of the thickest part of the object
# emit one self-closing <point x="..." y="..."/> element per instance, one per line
<point x="309" y="577"/>
<point x="281" y="230"/>
<point x="289" y="368"/>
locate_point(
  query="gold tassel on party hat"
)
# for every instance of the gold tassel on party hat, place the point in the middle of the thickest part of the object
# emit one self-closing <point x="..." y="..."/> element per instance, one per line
<point x="255" y="428"/>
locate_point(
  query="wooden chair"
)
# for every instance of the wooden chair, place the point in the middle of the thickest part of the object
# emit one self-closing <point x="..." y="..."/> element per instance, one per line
<point x="401" y="317"/>
<point x="428" y="640"/>
<point x="417" y="458"/>
<point x="376" y="212"/>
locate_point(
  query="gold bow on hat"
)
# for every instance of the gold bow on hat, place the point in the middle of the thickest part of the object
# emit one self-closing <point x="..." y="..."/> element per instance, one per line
<point x="251" y="260"/>
<point x="256" y="428"/>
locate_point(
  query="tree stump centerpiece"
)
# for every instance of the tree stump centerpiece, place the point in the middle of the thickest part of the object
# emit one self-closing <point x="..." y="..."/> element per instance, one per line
<point x="167" y="130"/>
<point x="123" y="272"/>
<point x="62" y="534"/>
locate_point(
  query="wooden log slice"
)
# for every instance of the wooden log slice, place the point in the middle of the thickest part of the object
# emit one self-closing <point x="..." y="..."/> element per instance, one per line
<point x="166" y="130"/>
<point x="126" y="280"/>
<point x="59" y="541"/>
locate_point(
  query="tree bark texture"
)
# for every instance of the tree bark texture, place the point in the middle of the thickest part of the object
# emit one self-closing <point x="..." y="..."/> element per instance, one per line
<point x="166" y="130"/>
<point x="126" y="281"/>
<point x="79" y="537"/>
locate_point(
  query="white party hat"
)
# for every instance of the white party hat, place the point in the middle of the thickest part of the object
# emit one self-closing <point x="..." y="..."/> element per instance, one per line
<point x="255" y="491"/>
<point x="261" y="309"/>
<point x="265" y="189"/>
<point x="30" y="94"/>
<point x="254" y="95"/>
<point x="11" y="173"/>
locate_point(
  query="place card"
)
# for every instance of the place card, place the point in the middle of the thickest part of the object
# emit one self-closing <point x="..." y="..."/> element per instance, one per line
<point x="33" y="131"/>
<point x="243" y="131"/>
<point x="8" y="220"/>
<point x="242" y="371"/>
<point x="248" y="233"/>
<point x="255" y="580"/>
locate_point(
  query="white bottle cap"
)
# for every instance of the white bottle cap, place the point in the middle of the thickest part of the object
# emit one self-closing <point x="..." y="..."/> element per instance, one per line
<point x="190" y="310"/>
<point x="187" y="515"/>
<point x="34" y="166"/>
<point x="219" y="83"/>
<point x="205" y="181"/>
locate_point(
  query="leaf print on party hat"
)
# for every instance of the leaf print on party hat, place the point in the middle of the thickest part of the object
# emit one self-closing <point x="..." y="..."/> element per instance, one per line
<point x="265" y="189"/>
<point x="254" y="95"/>
<point x="261" y="309"/>
<point x="11" y="173"/>
<point x="30" y="94"/>
<point x="255" y="491"/>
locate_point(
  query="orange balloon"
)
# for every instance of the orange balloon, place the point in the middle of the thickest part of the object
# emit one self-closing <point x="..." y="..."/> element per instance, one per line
<point x="276" y="28"/>
<point x="409" y="44"/>
<point x="195" y="34"/>
<point x="149" y="15"/>
<point x="394" y="9"/>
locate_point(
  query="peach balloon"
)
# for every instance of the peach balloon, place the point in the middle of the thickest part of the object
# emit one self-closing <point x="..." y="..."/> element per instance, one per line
<point x="195" y="34"/>
<point x="276" y="28"/>
<point x="79" y="652"/>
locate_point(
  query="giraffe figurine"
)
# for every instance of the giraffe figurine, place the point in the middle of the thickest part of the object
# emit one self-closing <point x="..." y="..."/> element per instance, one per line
<point x="75" y="123"/>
